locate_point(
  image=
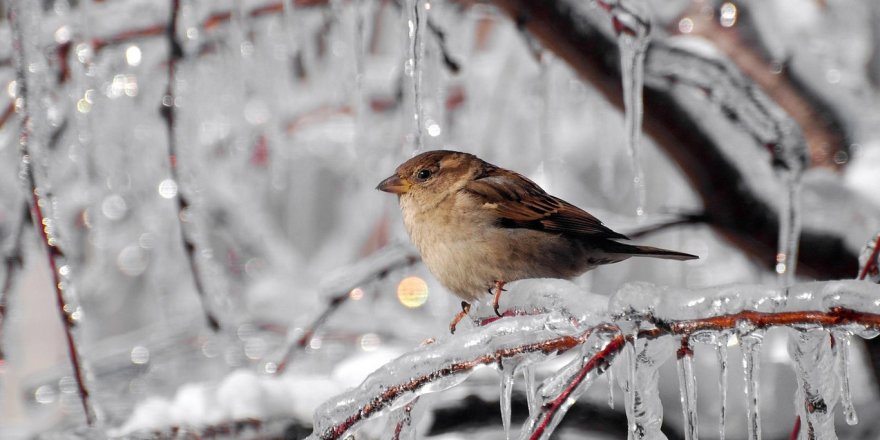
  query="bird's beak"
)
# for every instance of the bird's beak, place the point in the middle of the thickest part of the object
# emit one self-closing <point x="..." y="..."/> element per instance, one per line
<point x="394" y="184"/>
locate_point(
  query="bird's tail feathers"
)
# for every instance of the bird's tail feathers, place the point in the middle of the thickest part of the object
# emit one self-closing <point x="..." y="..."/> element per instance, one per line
<point x="648" y="251"/>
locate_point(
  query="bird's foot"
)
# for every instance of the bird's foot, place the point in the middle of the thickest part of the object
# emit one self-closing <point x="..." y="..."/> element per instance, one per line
<point x="465" y="308"/>
<point x="499" y="287"/>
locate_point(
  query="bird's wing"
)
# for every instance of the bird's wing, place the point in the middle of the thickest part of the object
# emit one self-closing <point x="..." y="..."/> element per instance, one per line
<point x="520" y="203"/>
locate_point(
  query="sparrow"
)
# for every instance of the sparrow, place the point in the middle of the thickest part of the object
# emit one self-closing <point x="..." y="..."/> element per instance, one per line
<point x="478" y="226"/>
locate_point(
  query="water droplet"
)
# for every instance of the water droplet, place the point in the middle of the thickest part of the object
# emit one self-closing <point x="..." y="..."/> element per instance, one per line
<point x="168" y="189"/>
<point x="140" y="355"/>
<point x="369" y="342"/>
<point x="133" y="55"/>
<point x="45" y="395"/>
<point x="412" y="292"/>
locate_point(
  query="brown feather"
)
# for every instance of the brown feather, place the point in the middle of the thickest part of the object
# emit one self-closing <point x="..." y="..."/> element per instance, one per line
<point x="520" y="203"/>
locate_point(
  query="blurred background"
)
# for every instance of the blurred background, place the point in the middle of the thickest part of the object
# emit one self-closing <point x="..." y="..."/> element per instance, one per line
<point x="283" y="116"/>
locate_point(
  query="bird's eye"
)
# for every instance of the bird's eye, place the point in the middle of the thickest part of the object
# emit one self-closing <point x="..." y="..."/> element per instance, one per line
<point x="423" y="174"/>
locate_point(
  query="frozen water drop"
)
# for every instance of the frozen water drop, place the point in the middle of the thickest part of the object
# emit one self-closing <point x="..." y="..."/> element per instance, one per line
<point x="632" y="44"/>
<point x="507" y="381"/>
<point x="751" y="348"/>
<point x="844" y="340"/>
<point x="610" y="374"/>
<point x="531" y="388"/>
<point x="687" y="383"/>
<point x="721" y="352"/>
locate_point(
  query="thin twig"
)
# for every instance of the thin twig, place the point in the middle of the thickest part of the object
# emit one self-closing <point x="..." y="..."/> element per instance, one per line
<point x="167" y="108"/>
<point x="393" y="391"/>
<point x="333" y="304"/>
<point x="871" y="264"/>
<point x="13" y="261"/>
<point x="404" y="421"/>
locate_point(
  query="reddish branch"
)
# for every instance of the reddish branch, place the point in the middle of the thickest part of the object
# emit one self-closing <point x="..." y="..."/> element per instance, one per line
<point x="37" y="200"/>
<point x="405" y="420"/>
<point x="168" y="114"/>
<point x="392" y="392"/>
<point x="871" y="265"/>
<point x="837" y="316"/>
<point x="731" y="207"/>
<point x="822" y="130"/>
<point x="550" y="409"/>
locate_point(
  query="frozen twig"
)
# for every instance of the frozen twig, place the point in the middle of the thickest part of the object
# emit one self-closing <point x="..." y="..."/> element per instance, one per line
<point x="168" y="107"/>
<point x="374" y="267"/>
<point x="20" y="16"/>
<point x="823" y="129"/>
<point x="661" y="312"/>
<point x="870" y="267"/>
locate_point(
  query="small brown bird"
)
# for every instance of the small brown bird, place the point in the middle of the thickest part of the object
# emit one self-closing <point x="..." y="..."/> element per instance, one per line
<point x="478" y="226"/>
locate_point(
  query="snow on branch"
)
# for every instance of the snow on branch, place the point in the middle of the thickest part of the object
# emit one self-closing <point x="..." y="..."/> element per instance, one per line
<point x="548" y="317"/>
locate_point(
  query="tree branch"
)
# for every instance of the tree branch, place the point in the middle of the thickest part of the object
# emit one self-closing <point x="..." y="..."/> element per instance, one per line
<point x="733" y="209"/>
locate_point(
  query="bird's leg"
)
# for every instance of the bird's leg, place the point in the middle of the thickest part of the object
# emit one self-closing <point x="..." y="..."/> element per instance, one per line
<point x="465" y="308"/>
<point x="499" y="287"/>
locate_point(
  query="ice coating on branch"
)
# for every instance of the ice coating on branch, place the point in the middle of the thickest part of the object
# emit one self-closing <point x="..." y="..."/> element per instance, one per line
<point x="750" y="341"/>
<point x="540" y="295"/>
<point x="692" y="62"/>
<point x="444" y="364"/>
<point x="687" y="382"/>
<point x="843" y="340"/>
<point x="672" y="304"/>
<point x="643" y="407"/>
<point x="559" y="391"/>
<point x="817" y="390"/>
<point x="403" y="420"/>
<point x="869" y="260"/>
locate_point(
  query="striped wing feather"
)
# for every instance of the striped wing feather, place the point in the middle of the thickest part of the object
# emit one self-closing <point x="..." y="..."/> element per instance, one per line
<point x="521" y="203"/>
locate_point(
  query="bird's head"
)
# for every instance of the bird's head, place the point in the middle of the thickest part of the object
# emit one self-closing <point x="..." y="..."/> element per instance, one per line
<point x="432" y="176"/>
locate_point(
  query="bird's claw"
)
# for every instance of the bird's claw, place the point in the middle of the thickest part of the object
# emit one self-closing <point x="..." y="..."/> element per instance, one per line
<point x="465" y="308"/>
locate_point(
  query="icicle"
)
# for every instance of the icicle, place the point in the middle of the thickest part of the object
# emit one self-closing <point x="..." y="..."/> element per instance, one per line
<point x="751" y="348"/>
<point x="631" y="378"/>
<point x="817" y="390"/>
<point x="531" y="388"/>
<point x="416" y="15"/>
<point x="403" y="420"/>
<point x="687" y="383"/>
<point x="721" y="352"/>
<point x="633" y="27"/>
<point x="789" y="230"/>
<point x="545" y="129"/>
<point x="644" y="410"/>
<point x="559" y="391"/>
<point x="507" y="381"/>
<point x="843" y="342"/>
<point x="610" y="374"/>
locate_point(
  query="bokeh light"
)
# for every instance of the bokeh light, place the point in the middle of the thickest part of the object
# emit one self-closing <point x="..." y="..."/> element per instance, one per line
<point x="412" y="292"/>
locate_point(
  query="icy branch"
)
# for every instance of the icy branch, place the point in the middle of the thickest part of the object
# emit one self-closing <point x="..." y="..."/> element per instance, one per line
<point x="532" y="333"/>
<point x="741" y="213"/>
<point x="25" y="15"/>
